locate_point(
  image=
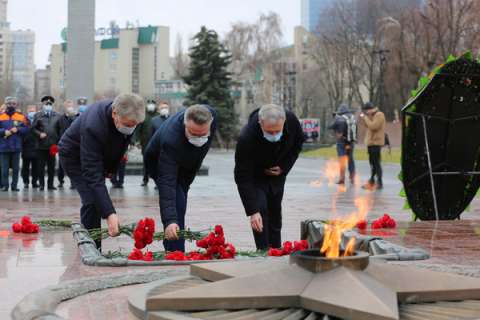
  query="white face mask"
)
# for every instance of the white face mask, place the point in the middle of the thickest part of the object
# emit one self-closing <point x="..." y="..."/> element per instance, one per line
<point x="126" y="130"/>
<point x="164" y="112"/>
<point x="151" y="107"/>
<point x="48" y="107"/>
<point x="198" y="141"/>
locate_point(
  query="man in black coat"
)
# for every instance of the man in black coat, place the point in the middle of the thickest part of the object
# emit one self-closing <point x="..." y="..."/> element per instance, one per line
<point x="164" y="113"/>
<point x="267" y="149"/>
<point x="30" y="152"/>
<point x="61" y="125"/>
<point x="173" y="157"/>
<point x="43" y="126"/>
<point x="91" y="150"/>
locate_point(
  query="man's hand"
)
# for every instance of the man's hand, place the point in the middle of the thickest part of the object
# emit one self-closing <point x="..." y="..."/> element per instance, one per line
<point x="256" y="222"/>
<point x="112" y="222"/>
<point x="43" y="135"/>
<point x="362" y="115"/>
<point x="7" y="133"/>
<point x="274" y="171"/>
<point x="14" y="130"/>
<point x="171" y="231"/>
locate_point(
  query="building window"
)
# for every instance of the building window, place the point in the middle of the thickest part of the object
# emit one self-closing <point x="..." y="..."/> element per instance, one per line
<point x="135" y="70"/>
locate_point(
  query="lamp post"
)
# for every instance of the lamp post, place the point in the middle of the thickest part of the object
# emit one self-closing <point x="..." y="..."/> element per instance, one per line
<point x="382" y="55"/>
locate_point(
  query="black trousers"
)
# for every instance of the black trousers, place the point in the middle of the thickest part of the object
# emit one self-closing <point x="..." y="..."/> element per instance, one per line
<point x="44" y="159"/>
<point x="61" y="174"/>
<point x="29" y="169"/>
<point x="119" y="177"/>
<point x="145" y="173"/>
<point x="375" y="158"/>
<point x="90" y="215"/>
<point x="271" y="212"/>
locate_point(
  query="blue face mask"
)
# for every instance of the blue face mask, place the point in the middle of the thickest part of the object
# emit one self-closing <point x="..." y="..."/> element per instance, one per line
<point x="31" y="115"/>
<point x="82" y="108"/>
<point x="273" y="137"/>
<point x="48" y="108"/>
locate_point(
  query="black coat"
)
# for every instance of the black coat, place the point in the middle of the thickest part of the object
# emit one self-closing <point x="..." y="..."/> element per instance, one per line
<point x="43" y="122"/>
<point x="62" y="123"/>
<point x="156" y="123"/>
<point x="30" y="145"/>
<point x="95" y="144"/>
<point x="171" y="160"/>
<point x="254" y="154"/>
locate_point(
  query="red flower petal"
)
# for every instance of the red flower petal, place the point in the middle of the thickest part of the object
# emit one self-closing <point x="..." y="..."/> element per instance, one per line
<point x="362" y="224"/>
<point x="273" y="252"/>
<point x="219" y="230"/>
<point x="17" y="227"/>
<point x="25" y="220"/>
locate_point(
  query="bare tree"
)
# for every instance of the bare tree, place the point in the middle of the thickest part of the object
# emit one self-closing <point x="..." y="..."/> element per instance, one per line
<point x="180" y="60"/>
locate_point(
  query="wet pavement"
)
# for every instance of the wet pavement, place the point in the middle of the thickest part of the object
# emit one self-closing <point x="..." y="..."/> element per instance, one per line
<point x="31" y="262"/>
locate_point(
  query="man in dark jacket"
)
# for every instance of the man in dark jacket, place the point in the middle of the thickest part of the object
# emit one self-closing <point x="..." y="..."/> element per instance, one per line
<point x="164" y="113"/>
<point x="91" y="150"/>
<point x="43" y="126"/>
<point x="61" y="125"/>
<point x="13" y="126"/>
<point x="345" y="129"/>
<point x="173" y="158"/>
<point x="29" y="152"/>
<point x="143" y="133"/>
<point x="267" y="149"/>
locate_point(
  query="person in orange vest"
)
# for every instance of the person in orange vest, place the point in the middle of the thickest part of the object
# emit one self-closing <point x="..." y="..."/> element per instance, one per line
<point x="13" y="126"/>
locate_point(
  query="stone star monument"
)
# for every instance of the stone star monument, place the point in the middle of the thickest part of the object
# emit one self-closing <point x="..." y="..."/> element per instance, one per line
<point x="80" y="58"/>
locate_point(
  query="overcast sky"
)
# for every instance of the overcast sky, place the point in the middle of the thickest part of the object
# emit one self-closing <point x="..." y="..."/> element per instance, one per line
<point x="48" y="17"/>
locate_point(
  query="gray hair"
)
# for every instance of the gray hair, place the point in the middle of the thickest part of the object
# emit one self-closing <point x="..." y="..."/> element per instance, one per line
<point x="11" y="99"/>
<point x="130" y="106"/>
<point x="199" y="114"/>
<point x="271" y="113"/>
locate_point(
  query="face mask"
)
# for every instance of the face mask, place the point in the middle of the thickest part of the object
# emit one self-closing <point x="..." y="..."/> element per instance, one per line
<point x="82" y="108"/>
<point x="10" y="109"/>
<point x="31" y="115"/>
<point x="126" y="130"/>
<point x="70" y="111"/>
<point x="150" y="107"/>
<point x="198" y="141"/>
<point x="164" y="112"/>
<point x="48" y="108"/>
<point x="273" y="137"/>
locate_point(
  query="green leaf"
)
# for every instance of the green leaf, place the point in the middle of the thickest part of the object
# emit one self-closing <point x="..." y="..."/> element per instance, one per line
<point x="402" y="193"/>
<point x="414" y="93"/>
<point x="451" y="58"/>
<point x="414" y="216"/>
<point x="468" y="55"/>
<point x="402" y="232"/>
<point x="406" y="205"/>
<point x="423" y="81"/>
<point x="400" y="176"/>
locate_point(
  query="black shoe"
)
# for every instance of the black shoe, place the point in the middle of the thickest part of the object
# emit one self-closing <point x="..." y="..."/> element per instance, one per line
<point x="41" y="188"/>
<point x="5" y="189"/>
<point x="118" y="186"/>
<point x="34" y="185"/>
<point x="72" y="188"/>
<point x="25" y="186"/>
<point x="379" y="186"/>
<point x="341" y="182"/>
<point x="15" y="189"/>
<point x="144" y="184"/>
<point x="52" y="188"/>
<point x="60" y="185"/>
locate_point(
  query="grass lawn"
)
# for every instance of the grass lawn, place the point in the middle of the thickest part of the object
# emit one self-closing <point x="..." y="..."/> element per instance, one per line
<point x="360" y="154"/>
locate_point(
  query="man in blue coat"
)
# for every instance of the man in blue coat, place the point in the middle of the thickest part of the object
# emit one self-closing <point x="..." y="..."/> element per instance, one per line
<point x="173" y="157"/>
<point x="12" y="129"/>
<point x="91" y="150"/>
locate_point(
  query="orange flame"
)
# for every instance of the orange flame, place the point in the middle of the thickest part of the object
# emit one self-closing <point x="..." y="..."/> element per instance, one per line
<point x="334" y="230"/>
<point x="350" y="247"/>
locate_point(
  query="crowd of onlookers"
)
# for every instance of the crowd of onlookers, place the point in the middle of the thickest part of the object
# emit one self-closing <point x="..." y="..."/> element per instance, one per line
<point x="28" y="141"/>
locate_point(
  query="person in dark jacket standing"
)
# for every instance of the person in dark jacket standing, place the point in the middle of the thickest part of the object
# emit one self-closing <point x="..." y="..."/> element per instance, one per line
<point x="29" y="152"/>
<point x="43" y="126"/>
<point x="345" y="129"/>
<point x="173" y="157"/>
<point x="266" y="151"/>
<point x="91" y="150"/>
<point x="143" y="133"/>
<point x="61" y="125"/>
<point x="13" y="126"/>
<point x="164" y="113"/>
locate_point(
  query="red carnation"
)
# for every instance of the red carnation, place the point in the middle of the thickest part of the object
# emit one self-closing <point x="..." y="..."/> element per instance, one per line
<point x="143" y="234"/>
<point x="219" y="230"/>
<point x="300" y="245"/>
<point x="377" y="224"/>
<point x="148" y="256"/>
<point x="273" y="252"/>
<point x="176" y="255"/>
<point x="136" y="254"/>
<point x="231" y="249"/>
<point x="362" y="224"/>
<point x="287" y="248"/>
<point x="17" y="227"/>
<point x="25" y="220"/>
<point x="202" y="243"/>
<point x="219" y="241"/>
